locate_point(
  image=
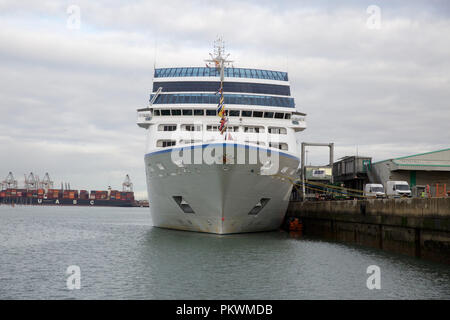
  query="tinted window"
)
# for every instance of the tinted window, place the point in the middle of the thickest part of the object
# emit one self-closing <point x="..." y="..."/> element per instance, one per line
<point x="234" y="113"/>
<point x="207" y="98"/>
<point x="176" y="112"/>
<point x="246" y="113"/>
<point x="268" y="114"/>
<point x="156" y="112"/>
<point x="279" y="115"/>
<point x="257" y="114"/>
<point x="229" y="72"/>
<point x="210" y="112"/>
<point x="165" y="112"/>
<point x="205" y="86"/>
<point x="167" y="127"/>
<point x="166" y="143"/>
<point x="187" y="112"/>
<point x="199" y="112"/>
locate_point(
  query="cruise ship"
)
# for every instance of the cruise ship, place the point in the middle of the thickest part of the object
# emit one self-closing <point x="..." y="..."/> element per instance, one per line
<point x="221" y="147"/>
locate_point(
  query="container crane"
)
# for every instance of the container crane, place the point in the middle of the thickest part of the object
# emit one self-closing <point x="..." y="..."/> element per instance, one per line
<point x="9" y="182"/>
<point x="127" y="185"/>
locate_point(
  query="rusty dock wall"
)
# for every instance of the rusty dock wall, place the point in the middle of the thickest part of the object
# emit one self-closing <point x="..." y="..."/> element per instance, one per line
<point x="416" y="227"/>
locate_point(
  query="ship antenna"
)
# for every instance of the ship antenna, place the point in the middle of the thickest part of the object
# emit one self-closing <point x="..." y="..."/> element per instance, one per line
<point x="155" y="54"/>
<point x="219" y="60"/>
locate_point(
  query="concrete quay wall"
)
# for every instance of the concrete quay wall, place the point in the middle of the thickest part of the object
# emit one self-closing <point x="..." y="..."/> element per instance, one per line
<point x="416" y="227"/>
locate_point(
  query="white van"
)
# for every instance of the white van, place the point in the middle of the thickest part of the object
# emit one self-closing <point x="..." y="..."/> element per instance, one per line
<point x="397" y="189"/>
<point x="374" y="190"/>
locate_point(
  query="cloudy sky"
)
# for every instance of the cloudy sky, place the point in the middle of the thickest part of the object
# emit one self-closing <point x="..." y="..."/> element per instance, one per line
<point x="371" y="79"/>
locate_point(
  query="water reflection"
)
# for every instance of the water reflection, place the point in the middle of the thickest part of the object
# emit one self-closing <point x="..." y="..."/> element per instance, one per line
<point x="122" y="257"/>
<point x="280" y="265"/>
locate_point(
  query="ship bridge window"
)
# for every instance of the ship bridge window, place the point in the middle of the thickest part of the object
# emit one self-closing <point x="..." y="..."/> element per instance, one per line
<point x="268" y="114"/>
<point x="246" y="113"/>
<point x="199" y="112"/>
<point x="187" y="112"/>
<point x="253" y="129"/>
<point x="287" y="116"/>
<point x="279" y="115"/>
<point x="234" y="113"/>
<point x="165" y="112"/>
<point x="229" y="72"/>
<point x="156" y="112"/>
<point x="257" y="114"/>
<point x="210" y="112"/>
<point x="277" y="130"/>
<point x="191" y="127"/>
<point x="276" y="145"/>
<point x="165" y="143"/>
<point x="167" y="127"/>
<point x="176" y="112"/>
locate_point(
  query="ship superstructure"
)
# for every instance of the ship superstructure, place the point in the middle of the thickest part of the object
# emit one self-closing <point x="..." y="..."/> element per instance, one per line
<point x="221" y="147"/>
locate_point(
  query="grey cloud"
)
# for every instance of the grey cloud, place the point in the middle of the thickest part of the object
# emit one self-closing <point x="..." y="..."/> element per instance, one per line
<point x="68" y="98"/>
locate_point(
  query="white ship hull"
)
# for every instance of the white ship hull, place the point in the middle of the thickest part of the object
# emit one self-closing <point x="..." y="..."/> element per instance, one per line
<point x="221" y="195"/>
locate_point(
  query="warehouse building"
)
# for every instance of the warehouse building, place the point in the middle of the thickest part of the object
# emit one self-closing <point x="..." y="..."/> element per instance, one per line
<point x="428" y="168"/>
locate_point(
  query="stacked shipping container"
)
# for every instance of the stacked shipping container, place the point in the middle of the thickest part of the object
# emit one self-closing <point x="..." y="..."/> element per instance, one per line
<point x="67" y="197"/>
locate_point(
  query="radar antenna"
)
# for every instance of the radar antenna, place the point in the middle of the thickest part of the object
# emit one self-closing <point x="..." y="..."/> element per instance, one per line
<point x="219" y="58"/>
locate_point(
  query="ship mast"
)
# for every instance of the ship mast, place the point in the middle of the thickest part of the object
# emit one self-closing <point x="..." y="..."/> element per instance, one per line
<point x="219" y="61"/>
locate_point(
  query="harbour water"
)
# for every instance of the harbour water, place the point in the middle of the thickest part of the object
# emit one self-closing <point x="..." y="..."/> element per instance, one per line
<point x="121" y="256"/>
